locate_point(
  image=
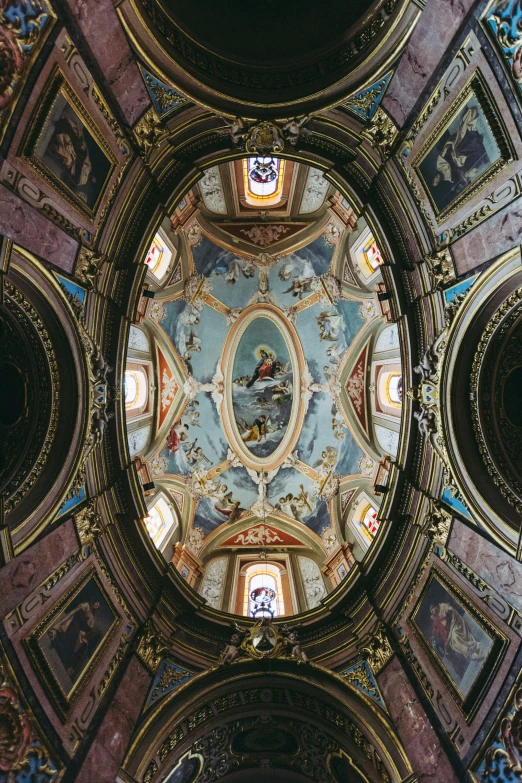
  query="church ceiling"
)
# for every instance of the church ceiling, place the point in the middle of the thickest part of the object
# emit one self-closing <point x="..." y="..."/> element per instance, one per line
<point x="254" y="421"/>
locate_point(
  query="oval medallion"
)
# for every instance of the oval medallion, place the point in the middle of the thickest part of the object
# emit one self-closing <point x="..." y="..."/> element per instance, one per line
<point x="263" y="361"/>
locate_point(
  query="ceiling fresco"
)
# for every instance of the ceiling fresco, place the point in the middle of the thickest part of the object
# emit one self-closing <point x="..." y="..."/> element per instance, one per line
<point x="262" y="340"/>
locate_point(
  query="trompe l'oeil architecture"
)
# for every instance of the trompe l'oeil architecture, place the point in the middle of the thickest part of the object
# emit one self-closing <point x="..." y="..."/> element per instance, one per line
<point x="261" y="392"/>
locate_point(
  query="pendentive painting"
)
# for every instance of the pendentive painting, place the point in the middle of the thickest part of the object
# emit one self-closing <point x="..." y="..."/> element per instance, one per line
<point x="65" y="147"/>
<point x="262" y="391"/>
<point x="72" y="636"/>
<point x="466" y="148"/>
<point x="455" y="634"/>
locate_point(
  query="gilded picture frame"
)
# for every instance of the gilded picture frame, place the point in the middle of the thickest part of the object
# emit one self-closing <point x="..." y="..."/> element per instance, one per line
<point x="67" y="148"/>
<point x="465" y="648"/>
<point x="68" y="643"/>
<point x="466" y="149"/>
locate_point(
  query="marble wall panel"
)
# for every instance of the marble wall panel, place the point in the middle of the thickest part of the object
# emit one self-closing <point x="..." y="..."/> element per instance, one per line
<point x="71" y="721"/>
<point x="420" y="741"/>
<point x="104" y="35"/>
<point x="108" y="749"/>
<point x="493" y="565"/>
<point x="25" y="226"/>
<point x="435" y="29"/>
<point x="490" y="239"/>
<point x="20" y="576"/>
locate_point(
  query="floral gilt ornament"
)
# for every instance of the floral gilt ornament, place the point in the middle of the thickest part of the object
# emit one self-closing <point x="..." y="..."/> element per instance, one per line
<point x="24" y="27"/>
<point x="22" y="754"/>
<point x="503" y="760"/>
<point x="504" y="21"/>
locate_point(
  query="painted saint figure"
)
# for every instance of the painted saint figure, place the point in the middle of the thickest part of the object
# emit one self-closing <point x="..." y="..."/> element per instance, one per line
<point x="265" y="368"/>
<point x="453" y="637"/>
<point x="257" y="431"/>
<point x="75" y="636"/>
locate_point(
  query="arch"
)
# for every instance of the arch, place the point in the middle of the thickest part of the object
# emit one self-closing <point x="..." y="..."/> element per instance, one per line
<point x="491" y="495"/>
<point x="43" y="337"/>
<point x="230" y="700"/>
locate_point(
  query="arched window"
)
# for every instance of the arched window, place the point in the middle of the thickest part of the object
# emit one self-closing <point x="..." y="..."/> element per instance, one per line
<point x="263" y="591"/>
<point x="366" y="254"/>
<point x="368" y="522"/>
<point x="136" y="386"/>
<point x="160" y="521"/>
<point x="390" y="388"/>
<point x="263" y="180"/>
<point x="364" y="522"/>
<point x="158" y="258"/>
<point x="394" y="388"/>
<point x="372" y="255"/>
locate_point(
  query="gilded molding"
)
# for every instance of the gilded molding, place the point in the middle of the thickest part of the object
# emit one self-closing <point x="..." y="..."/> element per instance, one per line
<point x="151" y="647"/>
<point x="505" y="316"/>
<point x="267" y="137"/>
<point x="89" y="523"/>
<point x="440" y="269"/>
<point x="88" y="267"/>
<point x="149" y="132"/>
<point x="382" y="133"/>
<point x="505" y="755"/>
<point x="37" y="455"/>
<point x="22" y="746"/>
<point x="378" y="650"/>
<point x="437" y="523"/>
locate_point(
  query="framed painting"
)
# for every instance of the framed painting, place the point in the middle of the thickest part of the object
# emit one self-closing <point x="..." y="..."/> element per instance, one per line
<point x="466" y="150"/>
<point x="464" y="646"/>
<point x="66" y="147"/>
<point x="68" y="643"/>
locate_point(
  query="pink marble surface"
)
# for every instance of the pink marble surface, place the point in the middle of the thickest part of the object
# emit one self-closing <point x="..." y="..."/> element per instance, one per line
<point x="435" y="29"/>
<point x="28" y="228"/>
<point x="422" y="745"/>
<point x="108" y="749"/>
<point x="23" y="574"/>
<point x="104" y="34"/>
<point x="497" y="568"/>
<point x="489" y="239"/>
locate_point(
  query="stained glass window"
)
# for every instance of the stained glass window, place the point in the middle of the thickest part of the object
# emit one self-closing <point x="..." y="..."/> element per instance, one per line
<point x="135" y="386"/>
<point x="373" y="255"/>
<point x="160" y="521"/>
<point x="263" y="180"/>
<point x="395" y="388"/>
<point x="158" y="258"/>
<point x="263" y="591"/>
<point x="369" y="523"/>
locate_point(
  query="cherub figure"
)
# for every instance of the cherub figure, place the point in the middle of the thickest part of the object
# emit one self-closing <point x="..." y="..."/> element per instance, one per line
<point x="291" y="638"/>
<point x="232" y="650"/>
<point x="237" y="129"/>
<point x="293" y="129"/>
<point x="426" y="421"/>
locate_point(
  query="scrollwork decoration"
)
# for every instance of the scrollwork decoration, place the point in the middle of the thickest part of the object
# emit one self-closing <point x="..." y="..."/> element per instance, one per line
<point x="267" y="138"/>
<point x="151" y="646"/>
<point x="378" y="650"/>
<point x="149" y="132"/>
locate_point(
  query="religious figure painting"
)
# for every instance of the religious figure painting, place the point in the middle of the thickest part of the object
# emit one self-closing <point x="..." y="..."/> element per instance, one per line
<point x="262" y="390"/>
<point x="67" y="149"/>
<point x="466" y="150"/>
<point x="455" y="634"/>
<point x="72" y="636"/>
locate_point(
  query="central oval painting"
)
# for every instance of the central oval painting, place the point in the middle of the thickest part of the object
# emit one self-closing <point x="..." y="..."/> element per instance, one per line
<point x="262" y="387"/>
